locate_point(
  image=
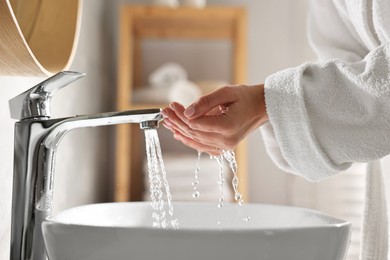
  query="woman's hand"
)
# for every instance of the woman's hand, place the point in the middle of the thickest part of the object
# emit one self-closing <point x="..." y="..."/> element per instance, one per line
<point x="218" y="121"/>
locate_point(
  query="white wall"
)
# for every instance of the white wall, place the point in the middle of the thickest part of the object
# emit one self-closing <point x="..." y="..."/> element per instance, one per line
<point x="277" y="39"/>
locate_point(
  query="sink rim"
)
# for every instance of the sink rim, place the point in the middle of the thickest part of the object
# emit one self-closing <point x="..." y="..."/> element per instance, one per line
<point x="336" y="222"/>
<point x="264" y="238"/>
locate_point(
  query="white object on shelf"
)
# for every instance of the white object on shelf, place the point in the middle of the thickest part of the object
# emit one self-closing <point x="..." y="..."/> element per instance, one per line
<point x="168" y="83"/>
<point x="151" y="95"/>
<point x="184" y="91"/>
<point x="194" y="3"/>
<point x="208" y="86"/>
<point x="167" y="74"/>
<point x="169" y="3"/>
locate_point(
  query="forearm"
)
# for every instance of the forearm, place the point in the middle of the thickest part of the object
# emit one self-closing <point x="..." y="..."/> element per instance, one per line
<point x="331" y="114"/>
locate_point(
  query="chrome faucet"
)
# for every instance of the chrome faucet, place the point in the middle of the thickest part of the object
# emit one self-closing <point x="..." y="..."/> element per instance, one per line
<point x="36" y="139"/>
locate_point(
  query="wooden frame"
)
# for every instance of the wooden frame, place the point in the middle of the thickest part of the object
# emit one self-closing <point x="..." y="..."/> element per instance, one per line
<point x="143" y="22"/>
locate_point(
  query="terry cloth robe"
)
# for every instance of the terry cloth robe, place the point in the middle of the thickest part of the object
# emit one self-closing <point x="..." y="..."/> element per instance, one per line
<point x="326" y="115"/>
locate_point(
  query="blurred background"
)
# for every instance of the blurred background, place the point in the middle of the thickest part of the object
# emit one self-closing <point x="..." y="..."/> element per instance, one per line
<point x="276" y="38"/>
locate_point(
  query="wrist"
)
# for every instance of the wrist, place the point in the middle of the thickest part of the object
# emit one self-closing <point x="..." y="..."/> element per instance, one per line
<point x="261" y="105"/>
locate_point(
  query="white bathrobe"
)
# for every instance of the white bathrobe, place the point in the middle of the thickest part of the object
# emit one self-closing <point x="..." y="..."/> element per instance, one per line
<point x="327" y="115"/>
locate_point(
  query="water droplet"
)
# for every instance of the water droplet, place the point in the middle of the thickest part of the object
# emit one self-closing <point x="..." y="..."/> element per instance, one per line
<point x="195" y="194"/>
<point x="164" y="224"/>
<point x="195" y="183"/>
<point x="247" y="219"/>
<point x="218" y="223"/>
<point x="175" y="224"/>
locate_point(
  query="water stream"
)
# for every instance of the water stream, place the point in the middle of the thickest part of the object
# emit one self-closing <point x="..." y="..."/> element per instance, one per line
<point x="158" y="181"/>
<point x="221" y="180"/>
<point x="230" y="157"/>
<point x="162" y="203"/>
<point x="195" y="183"/>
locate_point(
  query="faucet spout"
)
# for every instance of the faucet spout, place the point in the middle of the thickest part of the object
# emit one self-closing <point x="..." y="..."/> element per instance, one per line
<point x="150" y="117"/>
<point x="36" y="141"/>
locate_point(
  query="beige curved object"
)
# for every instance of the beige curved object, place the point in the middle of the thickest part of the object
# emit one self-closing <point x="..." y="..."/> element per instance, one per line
<point x="38" y="37"/>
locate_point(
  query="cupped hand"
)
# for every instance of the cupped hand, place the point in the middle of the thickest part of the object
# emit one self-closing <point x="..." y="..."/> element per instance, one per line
<point x="218" y="121"/>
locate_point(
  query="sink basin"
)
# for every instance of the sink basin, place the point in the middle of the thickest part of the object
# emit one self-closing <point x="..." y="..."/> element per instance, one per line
<point x="113" y="231"/>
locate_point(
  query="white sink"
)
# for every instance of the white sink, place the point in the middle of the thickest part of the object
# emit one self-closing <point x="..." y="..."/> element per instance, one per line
<point x="119" y="231"/>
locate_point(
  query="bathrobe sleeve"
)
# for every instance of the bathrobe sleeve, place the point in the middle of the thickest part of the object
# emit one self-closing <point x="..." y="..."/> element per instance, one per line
<point x="324" y="116"/>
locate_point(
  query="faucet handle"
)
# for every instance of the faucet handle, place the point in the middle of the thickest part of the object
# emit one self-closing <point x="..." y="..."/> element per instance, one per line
<point x="35" y="102"/>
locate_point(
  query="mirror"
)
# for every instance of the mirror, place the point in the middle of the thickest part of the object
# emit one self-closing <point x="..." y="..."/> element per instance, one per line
<point x="49" y="34"/>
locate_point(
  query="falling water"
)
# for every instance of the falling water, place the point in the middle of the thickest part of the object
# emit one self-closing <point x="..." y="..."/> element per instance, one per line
<point x="195" y="184"/>
<point x="158" y="180"/>
<point x="230" y="157"/>
<point x="221" y="180"/>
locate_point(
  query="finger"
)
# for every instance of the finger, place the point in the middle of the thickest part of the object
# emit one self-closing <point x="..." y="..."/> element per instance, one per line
<point x="206" y="103"/>
<point x="197" y="146"/>
<point x="207" y="123"/>
<point x="213" y="137"/>
<point x="179" y="111"/>
<point x="183" y="127"/>
<point x="215" y="141"/>
<point x="174" y="128"/>
<point x="172" y="118"/>
<point x="167" y="125"/>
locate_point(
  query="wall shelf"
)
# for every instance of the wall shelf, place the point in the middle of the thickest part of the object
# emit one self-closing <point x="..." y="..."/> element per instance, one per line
<point x="138" y="23"/>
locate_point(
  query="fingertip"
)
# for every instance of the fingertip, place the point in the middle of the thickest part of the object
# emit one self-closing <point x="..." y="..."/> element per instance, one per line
<point x="166" y="125"/>
<point x="171" y="105"/>
<point x="167" y="122"/>
<point x="164" y="113"/>
<point x="168" y="111"/>
<point x="176" y="136"/>
<point x="176" y="106"/>
<point x="190" y="111"/>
